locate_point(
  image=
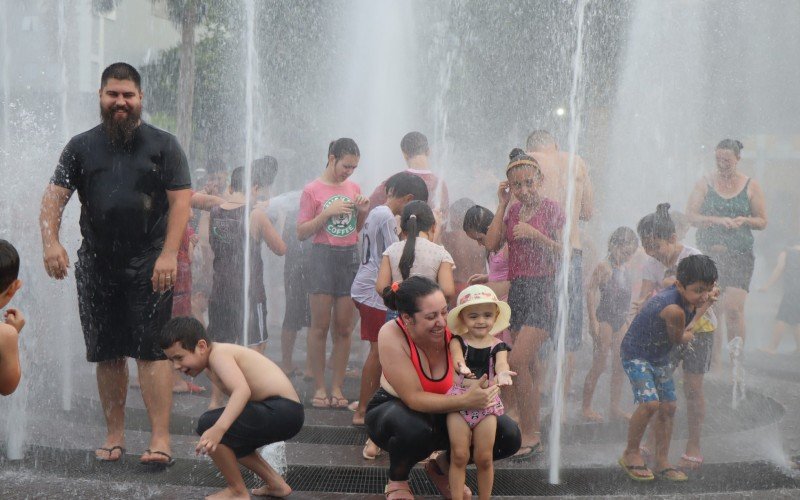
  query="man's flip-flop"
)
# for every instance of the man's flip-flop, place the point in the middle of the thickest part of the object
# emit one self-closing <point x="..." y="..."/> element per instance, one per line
<point x="110" y="452"/>
<point x="629" y="470"/>
<point x="158" y="463"/>
<point x="441" y="481"/>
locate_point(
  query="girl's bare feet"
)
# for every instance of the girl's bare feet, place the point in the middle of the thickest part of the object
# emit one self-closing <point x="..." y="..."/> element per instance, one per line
<point x="229" y="493"/>
<point x="278" y="491"/>
<point x="592" y="416"/>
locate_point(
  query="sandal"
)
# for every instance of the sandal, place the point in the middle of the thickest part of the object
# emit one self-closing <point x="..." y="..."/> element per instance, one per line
<point x="110" y="452"/>
<point x="631" y="469"/>
<point x="398" y="490"/>
<point x="672" y="474"/>
<point x="319" y="402"/>
<point x="690" y="462"/>
<point x="527" y="451"/>
<point x="169" y="462"/>
<point x="339" y="402"/>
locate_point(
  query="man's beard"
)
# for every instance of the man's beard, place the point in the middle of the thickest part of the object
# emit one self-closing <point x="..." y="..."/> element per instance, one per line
<point x="120" y="132"/>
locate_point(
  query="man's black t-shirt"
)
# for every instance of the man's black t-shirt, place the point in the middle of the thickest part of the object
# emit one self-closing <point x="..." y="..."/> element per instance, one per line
<point x="123" y="195"/>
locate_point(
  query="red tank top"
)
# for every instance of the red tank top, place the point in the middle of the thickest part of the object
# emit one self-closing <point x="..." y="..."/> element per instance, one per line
<point x="442" y="385"/>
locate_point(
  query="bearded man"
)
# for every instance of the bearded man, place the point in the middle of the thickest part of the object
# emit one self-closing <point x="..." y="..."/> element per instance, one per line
<point x="133" y="184"/>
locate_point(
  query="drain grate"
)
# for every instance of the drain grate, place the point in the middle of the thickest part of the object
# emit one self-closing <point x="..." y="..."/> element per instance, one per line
<point x="721" y="478"/>
<point x="330" y="435"/>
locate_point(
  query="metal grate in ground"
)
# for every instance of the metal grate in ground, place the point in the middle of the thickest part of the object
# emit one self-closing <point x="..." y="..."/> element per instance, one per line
<point x="720" y="478"/>
<point x="330" y="435"/>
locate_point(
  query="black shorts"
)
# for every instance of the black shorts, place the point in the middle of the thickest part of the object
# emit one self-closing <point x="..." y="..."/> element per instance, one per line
<point x="226" y="322"/>
<point x="297" y="313"/>
<point x="333" y="270"/>
<point x="120" y="313"/>
<point x="789" y="310"/>
<point x="533" y="303"/>
<point x="260" y="423"/>
<point x="735" y="269"/>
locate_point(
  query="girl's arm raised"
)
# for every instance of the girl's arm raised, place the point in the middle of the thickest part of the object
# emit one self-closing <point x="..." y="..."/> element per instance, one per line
<point x="495" y="235"/>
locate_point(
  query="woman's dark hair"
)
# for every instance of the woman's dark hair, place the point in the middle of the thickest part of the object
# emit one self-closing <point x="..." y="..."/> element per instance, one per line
<point x="260" y="176"/>
<point x="404" y="299"/>
<point x="622" y="236"/>
<point x="417" y="216"/>
<point x="402" y="184"/>
<point x="658" y="225"/>
<point x="477" y="219"/>
<point x="342" y="147"/>
<point x="731" y="145"/>
<point x="184" y="329"/>
<point x="517" y="158"/>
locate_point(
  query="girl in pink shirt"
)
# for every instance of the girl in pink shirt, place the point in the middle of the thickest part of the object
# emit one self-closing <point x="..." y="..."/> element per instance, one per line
<point x="532" y="228"/>
<point x="332" y="210"/>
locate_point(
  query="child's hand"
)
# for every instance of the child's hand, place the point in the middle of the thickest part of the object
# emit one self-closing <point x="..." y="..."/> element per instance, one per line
<point x="464" y="370"/>
<point x="504" y="378"/>
<point x="209" y="441"/>
<point x="523" y="230"/>
<point x="503" y="193"/>
<point x="478" y="279"/>
<point x="687" y="337"/>
<point x="14" y="318"/>
<point x="362" y="203"/>
<point x="339" y="207"/>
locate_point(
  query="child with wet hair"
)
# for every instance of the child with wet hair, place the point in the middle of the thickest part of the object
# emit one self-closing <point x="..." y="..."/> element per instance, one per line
<point x="10" y="371"/>
<point x="608" y="299"/>
<point x="476" y="319"/>
<point x="665" y="251"/>
<point x="417" y="255"/>
<point x="532" y="227"/>
<point x="263" y="406"/>
<point x="665" y="321"/>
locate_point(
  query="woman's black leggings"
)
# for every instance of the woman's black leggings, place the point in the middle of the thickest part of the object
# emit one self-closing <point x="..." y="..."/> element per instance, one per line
<point x="410" y="436"/>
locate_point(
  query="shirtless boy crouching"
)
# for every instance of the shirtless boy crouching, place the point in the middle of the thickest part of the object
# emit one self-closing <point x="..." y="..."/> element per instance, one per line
<point x="263" y="407"/>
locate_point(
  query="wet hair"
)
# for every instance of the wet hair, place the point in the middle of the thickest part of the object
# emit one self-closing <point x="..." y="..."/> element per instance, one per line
<point x="259" y="176"/>
<point x="343" y="147"/>
<point x="458" y="210"/>
<point x="517" y="158"/>
<point x="403" y="184"/>
<point x="622" y="236"/>
<point x="121" y="71"/>
<point x="404" y="299"/>
<point x="184" y="329"/>
<point x="417" y="216"/>
<point x="477" y="219"/>
<point x="9" y="265"/>
<point x="731" y="145"/>
<point x="414" y="144"/>
<point x="539" y="138"/>
<point x="696" y="268"/>
<point x="268" y="163"/>
<point x="658" y="225"/>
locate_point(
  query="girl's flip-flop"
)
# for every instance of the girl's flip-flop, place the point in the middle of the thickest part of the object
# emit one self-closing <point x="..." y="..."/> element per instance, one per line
<point x="629" y="470"/>
<point x="110" y="452"/>
<point x="690" y="462"/>
<point x="318" y="402"/>
<point x="672" y="474"/>
<point x="398" y="490"/>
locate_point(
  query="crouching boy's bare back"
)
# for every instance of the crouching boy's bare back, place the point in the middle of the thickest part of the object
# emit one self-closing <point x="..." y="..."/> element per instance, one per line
<point x="231" y="364"/>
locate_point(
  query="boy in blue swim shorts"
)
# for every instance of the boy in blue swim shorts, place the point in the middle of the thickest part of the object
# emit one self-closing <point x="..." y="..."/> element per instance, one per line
<point x="666" y="320"/>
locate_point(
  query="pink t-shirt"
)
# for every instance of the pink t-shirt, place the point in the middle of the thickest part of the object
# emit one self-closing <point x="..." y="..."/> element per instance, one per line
<point x="340" y="230"/>
<point x="526" y="257"/>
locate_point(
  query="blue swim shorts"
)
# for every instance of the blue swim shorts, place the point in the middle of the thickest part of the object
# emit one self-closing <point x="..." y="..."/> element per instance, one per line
<point x="649" y="382"/>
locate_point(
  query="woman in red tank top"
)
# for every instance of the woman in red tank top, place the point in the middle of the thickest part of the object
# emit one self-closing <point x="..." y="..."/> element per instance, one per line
<point x="408" y="415"/>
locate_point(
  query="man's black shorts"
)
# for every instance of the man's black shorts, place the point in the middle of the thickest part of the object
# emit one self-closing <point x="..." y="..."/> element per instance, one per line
<point x="120" y="314"/>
